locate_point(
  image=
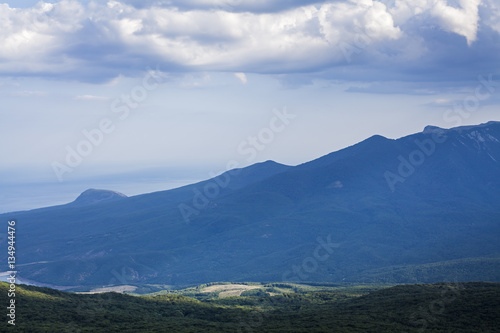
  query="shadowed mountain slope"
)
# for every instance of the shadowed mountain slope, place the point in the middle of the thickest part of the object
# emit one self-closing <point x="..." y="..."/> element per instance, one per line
<point x="352" y="215"/>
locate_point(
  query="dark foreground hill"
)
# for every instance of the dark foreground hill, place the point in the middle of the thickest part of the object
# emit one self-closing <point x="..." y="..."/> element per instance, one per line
<point x="453" y="307"/>
<point x="423" y="208"/>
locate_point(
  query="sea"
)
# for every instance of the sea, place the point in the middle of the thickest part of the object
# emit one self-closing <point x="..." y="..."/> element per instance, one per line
<point x="26" y="194"/>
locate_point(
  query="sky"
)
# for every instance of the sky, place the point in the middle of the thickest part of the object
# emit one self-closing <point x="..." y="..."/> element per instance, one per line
<point x="169" y="92"/>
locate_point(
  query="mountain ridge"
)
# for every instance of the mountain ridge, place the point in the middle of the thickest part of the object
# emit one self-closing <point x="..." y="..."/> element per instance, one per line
<point x="269" y="221"/>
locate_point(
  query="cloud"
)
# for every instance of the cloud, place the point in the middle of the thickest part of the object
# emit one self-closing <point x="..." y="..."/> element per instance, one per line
<point x="391" y="88"/>
<point x="242" y="77"/>
<point x="442" y="103"/>
<point x="118" y="35"/>
<point x="91" y="98"/>
<point x="356" y="40"/>
<point x="462" y="21"/>
<point x="28" y="93"/>
<point x="253" y="6"/>
<point x="446" y="103"/>
<point x="491" y="15"/>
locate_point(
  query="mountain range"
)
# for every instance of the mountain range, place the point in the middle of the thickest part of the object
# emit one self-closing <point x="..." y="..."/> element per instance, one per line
<point x="420" y="209"/>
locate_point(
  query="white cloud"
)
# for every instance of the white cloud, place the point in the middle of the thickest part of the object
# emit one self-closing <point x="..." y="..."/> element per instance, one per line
<point x="91" y="98"/>
<point x="403" y="10"/>
<point x="30" y="37"/>
<point x="28" y="93"/>
<point x="442" y="101"/>
<point x="462" y="21"/>
<point x="379" y="23"/>
<point x="101" y="41"/>
<point x="242" y="77"/>
<point x="207" y="40"/>
<point x="115" y="81"/>
<point x="342" y="22"/>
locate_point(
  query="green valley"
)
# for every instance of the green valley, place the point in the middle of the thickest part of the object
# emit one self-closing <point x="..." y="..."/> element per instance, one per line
<point x="440" y="307"/>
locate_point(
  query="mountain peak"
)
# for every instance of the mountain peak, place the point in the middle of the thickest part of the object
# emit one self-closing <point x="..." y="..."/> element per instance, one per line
<point x="432" y="129"/>
<point x="476" y="127"/>
<point x="92" y="196"/>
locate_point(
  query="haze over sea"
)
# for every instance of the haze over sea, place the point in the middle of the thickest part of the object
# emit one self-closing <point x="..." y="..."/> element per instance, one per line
<point x="17" y="194"/>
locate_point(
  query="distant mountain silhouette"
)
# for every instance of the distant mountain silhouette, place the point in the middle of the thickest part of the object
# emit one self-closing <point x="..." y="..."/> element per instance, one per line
<point x="422" y="208"/>
<point x="92" y="196"/>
